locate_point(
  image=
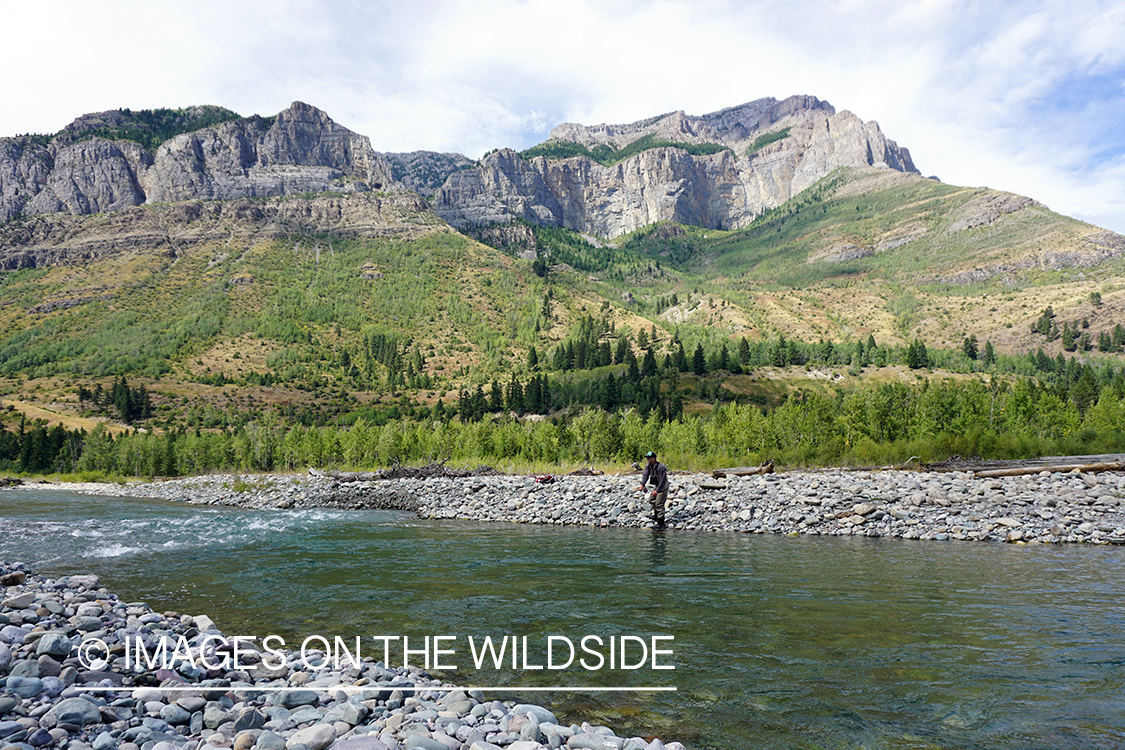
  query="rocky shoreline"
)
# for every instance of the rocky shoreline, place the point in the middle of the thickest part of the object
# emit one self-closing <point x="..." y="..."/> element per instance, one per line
<point x="202" y="694"/>
<point x="1047" y="507"/>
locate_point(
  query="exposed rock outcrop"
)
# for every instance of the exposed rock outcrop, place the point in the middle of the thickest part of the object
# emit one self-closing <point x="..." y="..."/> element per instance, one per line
<point x="426" y="171"/>
<point x="988" y="208"/>
<point x="302" y="151"/>
<point x="171" y="229"/>
<point x="724" y="190"/>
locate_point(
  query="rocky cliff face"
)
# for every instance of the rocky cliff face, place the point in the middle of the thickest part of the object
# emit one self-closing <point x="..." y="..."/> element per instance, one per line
<point x="774" y="150"/>
<point x="303" y="150"/>
<point x="426" y="171"/>
<point x="726" y="190"/>
<point x="174" y="228"/>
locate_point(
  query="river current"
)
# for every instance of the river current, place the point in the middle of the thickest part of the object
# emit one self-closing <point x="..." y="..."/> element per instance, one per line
<point x="777" y="642"/>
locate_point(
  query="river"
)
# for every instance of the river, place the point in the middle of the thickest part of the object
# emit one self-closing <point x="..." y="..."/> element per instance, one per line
<point x="777" y="641"/>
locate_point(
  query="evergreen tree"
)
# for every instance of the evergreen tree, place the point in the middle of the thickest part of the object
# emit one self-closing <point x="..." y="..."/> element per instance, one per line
<point x="989" y="357"/>
<point x="1043" y="324"/>
<point x="621" y="351"/>
<point x="916" y="355"/>
<point x="698" y="361"/>
<point x="681" y="357"/>
<point x="544" y="395"/>
<point x="479" y="403"/>
<point x="531" y="395"/>
<point x="1069" y="335"/>
<point x="633" y="371"/>
<point x="1084" y="391"/>
<point x="969" y="347"/>
<point x="515" y="396"/>
<point x="676" y="409"/>
<point x="744" y="353"/>
<point x="779" y="354"/>
<point x="611" y="393"/>
<point x="605" y="355"/>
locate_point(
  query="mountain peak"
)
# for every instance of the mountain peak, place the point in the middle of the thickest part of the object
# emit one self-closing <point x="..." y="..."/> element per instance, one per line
<point x="720" y="170"/>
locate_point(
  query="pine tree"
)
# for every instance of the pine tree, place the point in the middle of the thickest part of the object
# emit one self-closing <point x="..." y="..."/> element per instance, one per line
<point x="611" y="394"/>
<point x="916" y="356"/>
<point x="464" y="407"/>
<point x="479" y="403"/>
<point x="989" y="357"/>
<point x="1069" y="335"/>
<point x="969" y="347"/>
<point x="515" y="396"/>
<point x="698" y="362"/>
<point x="621" y="351"/>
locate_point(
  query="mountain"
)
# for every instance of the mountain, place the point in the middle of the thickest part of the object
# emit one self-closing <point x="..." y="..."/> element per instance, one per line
<point x="236" y="262"/>
<point x="719" y="170"/>
<point x="96" y="164"/>
<point x="746" y="160"/>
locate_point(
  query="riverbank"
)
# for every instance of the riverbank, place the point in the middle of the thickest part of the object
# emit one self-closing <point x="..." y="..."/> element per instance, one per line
<point x="1048" y="507"/>
<point x="195" y="698"/>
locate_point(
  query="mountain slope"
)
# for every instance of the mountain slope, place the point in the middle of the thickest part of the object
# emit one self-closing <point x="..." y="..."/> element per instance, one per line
<point x="898" y="256"/>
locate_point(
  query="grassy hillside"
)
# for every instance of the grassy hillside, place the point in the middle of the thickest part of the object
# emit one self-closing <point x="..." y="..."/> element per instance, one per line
<point x="898" y="256"/>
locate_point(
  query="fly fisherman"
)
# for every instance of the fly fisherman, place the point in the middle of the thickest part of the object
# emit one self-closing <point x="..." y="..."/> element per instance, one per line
<point x="657" y="474"/>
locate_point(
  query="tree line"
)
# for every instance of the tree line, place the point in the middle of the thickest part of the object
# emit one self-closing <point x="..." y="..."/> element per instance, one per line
<point x="871" y="424"/>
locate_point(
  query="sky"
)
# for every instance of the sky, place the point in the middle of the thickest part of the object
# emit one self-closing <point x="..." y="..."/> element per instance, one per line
<point x="1026" y="96"/>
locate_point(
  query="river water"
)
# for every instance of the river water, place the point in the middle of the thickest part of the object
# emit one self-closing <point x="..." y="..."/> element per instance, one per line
<point x="779" y="642"/>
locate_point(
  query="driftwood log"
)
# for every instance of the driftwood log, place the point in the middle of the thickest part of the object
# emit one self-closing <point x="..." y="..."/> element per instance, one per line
<point x="743" y="471"/>
<point x="1062" y="468"/>
<point x="434" y="470"/>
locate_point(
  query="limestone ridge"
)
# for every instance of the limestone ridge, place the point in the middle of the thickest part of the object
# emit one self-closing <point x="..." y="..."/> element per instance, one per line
<point x="302" y="151"/>
<point x="425" y="171"/>
<point x="774" y="150"/>
<point x="724" y="190"/>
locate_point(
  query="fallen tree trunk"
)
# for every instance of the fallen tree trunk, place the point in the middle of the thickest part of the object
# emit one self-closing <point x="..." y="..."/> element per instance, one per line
<point x="743" y="471"/>
<point x="433" y="470"/>
<point x="1062" y="468"/>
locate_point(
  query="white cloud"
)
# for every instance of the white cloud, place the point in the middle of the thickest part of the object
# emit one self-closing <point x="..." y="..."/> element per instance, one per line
<point x="1023" y="96"/>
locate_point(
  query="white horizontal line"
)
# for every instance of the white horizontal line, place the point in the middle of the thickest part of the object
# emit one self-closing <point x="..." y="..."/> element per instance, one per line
<point x="361" y="688"/>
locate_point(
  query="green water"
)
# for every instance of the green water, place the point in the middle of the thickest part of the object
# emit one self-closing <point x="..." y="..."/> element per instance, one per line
<point x="779" y="642"/>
